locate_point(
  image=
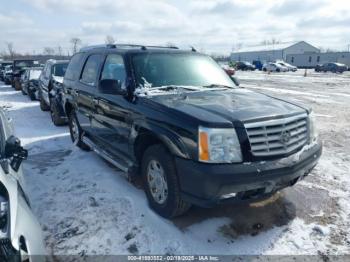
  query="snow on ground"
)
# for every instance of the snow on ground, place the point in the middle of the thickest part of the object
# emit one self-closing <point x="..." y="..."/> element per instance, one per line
<point x="85" y="206"/>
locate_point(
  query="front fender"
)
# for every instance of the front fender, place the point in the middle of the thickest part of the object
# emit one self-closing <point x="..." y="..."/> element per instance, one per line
<point x="173" y="141"/>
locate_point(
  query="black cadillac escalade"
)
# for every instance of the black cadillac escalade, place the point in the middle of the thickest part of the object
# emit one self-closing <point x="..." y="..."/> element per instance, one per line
<point x="177" y="119"/>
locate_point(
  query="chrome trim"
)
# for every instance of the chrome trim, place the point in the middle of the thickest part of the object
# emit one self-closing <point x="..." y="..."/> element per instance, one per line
<point x="278" y="136"/>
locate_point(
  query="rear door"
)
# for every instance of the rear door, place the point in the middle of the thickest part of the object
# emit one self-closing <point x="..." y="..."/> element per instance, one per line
<point x="85" y="91"/>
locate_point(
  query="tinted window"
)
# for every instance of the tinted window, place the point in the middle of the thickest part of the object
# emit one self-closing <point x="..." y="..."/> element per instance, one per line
<point x="114" y="69"/>
<point x="24" y="63"/>
<point x="73" y="69"/>
<point x="178" y="69"/>
<point x="91" y="69"/>
<point x="59" y="69"/>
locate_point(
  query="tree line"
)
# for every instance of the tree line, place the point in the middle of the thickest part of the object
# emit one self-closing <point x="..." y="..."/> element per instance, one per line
<point x="75" y="44"/>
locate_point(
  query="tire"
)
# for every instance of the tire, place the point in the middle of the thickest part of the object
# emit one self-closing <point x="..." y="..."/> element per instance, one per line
<point x="76" y="133"/>
<point x="264" y="69"/>
<point x="278" y="70"/>
<point x="172" y="205"/>
<point x="55" y="114"/>
<point x="31" y="94"/>
<point x="43" y="105"/>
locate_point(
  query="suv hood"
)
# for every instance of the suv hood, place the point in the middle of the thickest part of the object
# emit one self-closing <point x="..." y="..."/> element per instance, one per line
<point x="228" y="106"/>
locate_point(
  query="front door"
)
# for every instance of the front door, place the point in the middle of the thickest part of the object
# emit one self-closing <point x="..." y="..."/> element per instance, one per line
<point x="111" y="122"/>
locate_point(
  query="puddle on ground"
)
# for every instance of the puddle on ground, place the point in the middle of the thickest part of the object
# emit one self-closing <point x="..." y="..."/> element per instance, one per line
<point x="309" y="204"/>
<point x="45" y="160"/>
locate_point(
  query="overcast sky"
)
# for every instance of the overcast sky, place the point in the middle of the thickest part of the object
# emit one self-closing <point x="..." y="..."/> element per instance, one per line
<point x="209" y="25"/>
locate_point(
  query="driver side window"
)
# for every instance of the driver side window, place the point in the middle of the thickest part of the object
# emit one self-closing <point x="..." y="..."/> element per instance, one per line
<point x="114" y="68"/>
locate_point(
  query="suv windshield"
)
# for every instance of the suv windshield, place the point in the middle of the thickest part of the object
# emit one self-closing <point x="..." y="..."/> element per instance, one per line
<point x="165" y="69"/>
<point x="59" y="69"/>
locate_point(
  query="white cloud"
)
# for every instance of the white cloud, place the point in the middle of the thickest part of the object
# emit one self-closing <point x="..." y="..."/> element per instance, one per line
<point x="212" y="25"/>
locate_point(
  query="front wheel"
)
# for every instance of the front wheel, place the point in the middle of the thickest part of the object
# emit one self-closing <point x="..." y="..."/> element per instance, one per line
<point x="55" y="114"/>
<point x="31" y="94"/>
<point x="76" y="133"/>
<point x="161" y="182"/>
<point x="43" y="105"/>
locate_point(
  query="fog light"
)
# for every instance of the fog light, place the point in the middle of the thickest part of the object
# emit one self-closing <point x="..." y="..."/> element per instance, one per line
<point x="228" y="195"/>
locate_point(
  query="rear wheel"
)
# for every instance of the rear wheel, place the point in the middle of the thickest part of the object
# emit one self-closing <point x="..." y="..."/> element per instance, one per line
<point x="76" y="133"/>
<point x="161" y="182"/>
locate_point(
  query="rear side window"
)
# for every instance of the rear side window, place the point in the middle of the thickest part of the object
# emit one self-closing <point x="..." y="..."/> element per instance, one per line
<point x="73" y="69"/>
<point x="91" y="68"/>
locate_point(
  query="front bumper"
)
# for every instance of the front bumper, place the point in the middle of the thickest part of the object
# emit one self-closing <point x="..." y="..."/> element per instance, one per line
<point x="210" y="184"/>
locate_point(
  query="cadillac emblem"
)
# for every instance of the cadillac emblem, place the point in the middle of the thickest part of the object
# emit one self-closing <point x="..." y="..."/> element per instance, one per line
<point x="285" y="137"/>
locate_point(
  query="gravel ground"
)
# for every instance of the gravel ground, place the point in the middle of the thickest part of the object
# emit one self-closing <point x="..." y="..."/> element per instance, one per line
<point x="85" y="206"/>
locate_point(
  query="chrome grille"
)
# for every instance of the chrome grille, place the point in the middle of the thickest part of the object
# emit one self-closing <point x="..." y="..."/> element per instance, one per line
<point x="277" y="136"/>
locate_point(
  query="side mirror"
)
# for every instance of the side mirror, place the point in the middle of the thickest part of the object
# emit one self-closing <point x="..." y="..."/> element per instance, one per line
<point x="15" y="152"/>
<point x="111" y="87"/>
<point x="235" y="80"/>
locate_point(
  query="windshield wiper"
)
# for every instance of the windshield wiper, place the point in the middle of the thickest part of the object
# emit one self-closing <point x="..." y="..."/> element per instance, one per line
<point x="219" y="86"/>
<point x="176" y="87"/>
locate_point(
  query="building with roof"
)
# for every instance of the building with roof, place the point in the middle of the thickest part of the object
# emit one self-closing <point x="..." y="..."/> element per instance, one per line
<point x="273" y="52"/>
<point x="311" y="60"/>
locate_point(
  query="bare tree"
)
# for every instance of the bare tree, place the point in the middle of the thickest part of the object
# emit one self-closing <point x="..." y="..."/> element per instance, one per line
<point x="109" y="40"/>
<point x="76" y="42"/>
<point x="59" y="51"/>
<point x="10" y="49"/>
<point x="49" y="51"/>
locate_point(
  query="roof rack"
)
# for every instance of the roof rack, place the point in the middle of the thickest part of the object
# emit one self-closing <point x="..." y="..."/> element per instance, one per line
<point x="91" y="47"/>
<point x="143" y="47"/>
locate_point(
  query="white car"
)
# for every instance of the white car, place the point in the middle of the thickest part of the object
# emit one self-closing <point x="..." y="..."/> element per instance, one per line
<point x="20" y="233"/>
<point x="289" y="66"/>
<point x="274" y="67"/>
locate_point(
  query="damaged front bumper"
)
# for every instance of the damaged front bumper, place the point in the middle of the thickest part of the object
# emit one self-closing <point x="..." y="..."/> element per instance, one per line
<point x="210" y="184"/>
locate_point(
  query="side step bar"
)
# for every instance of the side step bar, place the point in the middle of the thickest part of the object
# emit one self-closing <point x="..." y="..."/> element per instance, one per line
<point x="104" y="154"/>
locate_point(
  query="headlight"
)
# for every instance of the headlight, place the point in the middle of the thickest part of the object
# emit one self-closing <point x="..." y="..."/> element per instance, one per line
<point x="312" y="128"/>
<point x="218" y="145"/>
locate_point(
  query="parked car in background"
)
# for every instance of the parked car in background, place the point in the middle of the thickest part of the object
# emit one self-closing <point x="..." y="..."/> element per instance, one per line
<point x="193" y="136"/>
<point x="331" y="67"/>
<point x="19" y="67"/>
<point x="228" y="69"/>
<point x="258" y="64"/>
<point x="274" y="67"/>
<point x="20" y="233"/>
<point x="54" y="70"/>
<point x="3" y="64"/>
<point x="245" y="66"/>
<point x="30" y="82"/>
<point x="288" y="66"/>
<point x="8" y="74"/>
